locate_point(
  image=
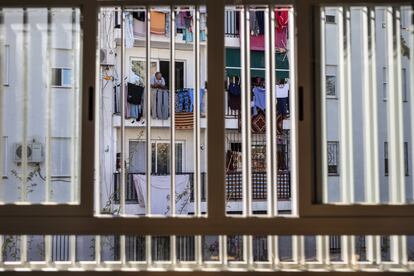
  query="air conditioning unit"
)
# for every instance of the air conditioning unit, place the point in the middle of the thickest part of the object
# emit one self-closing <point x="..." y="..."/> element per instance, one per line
<point x="34" y="153"/>
<point x="107" y="57"/>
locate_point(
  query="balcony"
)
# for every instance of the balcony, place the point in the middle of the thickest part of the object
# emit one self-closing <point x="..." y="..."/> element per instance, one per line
<point x="232" y="116"/>
<point x="185" y="111"/>
<point x="234" y="187"/>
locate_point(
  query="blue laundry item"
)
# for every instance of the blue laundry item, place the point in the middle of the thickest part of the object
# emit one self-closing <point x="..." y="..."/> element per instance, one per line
<point x="191" y="95"/>
<point x="134" y="111"/>
<point x="185" y="100"/>
<point x="192" y="98"/>
<point x="187" y="35"/>
<point x="202" y="92"/>
<point x="162" y="104"/>
<point x="203" y="36"/>
<point x="234" y="89"/>
<point x="259" y="98"/>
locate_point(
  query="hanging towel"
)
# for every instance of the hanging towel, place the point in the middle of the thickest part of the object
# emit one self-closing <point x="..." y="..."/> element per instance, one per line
<point x="139" y="28"/>
<point x="157" y="23"/>
<point x="259" y="98"/>
<point x="184" y="120"/>
<point x="160" y="193"/>
<point x="129" y="30"/>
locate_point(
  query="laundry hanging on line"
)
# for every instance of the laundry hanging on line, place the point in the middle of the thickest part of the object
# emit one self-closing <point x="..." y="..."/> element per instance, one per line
<point x="161" y="193"/>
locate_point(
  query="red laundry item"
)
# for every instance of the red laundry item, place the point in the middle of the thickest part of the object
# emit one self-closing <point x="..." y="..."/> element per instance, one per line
<point x="257" y="42"/>
<point x="282" y="17"/>
<point x="281" y="39"/>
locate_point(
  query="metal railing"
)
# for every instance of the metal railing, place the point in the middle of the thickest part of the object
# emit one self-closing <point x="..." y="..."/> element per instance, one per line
<point x="229" y="113"/>
<point x="234" y="187"/>
<point x="231" y="27"/>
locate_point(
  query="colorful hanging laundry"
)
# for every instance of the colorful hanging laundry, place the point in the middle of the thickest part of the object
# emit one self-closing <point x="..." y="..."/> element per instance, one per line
<point x="157" y="22"/>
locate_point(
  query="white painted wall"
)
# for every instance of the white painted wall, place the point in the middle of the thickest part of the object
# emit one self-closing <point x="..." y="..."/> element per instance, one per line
<point x="62" y="99"/>
<point x="332" y="104"/>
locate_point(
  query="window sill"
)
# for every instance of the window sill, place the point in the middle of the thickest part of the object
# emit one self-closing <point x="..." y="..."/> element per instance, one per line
<point x="65" y="87"/>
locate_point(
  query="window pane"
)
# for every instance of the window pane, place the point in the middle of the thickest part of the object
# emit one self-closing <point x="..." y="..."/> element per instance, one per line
<point x="253" y="143"/>
<point x="139" y="122"/>
<point x="37" y="114"/>
<point x="370" y="115"/>
<point x="57" y="76"/>
<point x="66" y="77"/>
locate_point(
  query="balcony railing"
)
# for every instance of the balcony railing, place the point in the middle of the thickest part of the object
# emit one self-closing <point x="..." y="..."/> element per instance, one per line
<point x="234" y="187"/>
<point x="181" y="109"/>
<point x="231" y="27"/>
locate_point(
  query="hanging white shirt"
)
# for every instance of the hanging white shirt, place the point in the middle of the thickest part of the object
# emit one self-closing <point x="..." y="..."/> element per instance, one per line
<point x="282" y="91"/>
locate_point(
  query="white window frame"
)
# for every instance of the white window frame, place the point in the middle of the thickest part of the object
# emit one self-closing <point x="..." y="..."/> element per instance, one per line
<point x="87" y="70"/>
<point x="182" y="143"/>
<point x="314" y="218"/>
<point x="159" y="141"/>
<point x="313" y="206"/>
<point x="62" y="84"/>
<point x="142" y="59"/>
<point x="186" y="85"/>
<point x="334" y="17"/>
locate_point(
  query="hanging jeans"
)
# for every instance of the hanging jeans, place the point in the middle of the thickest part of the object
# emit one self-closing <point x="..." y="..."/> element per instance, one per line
<point x="162" y="104"/>
<point x="159" y="103"/>
<point x="134" y="111"/>
<point x="154" y="103"/>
